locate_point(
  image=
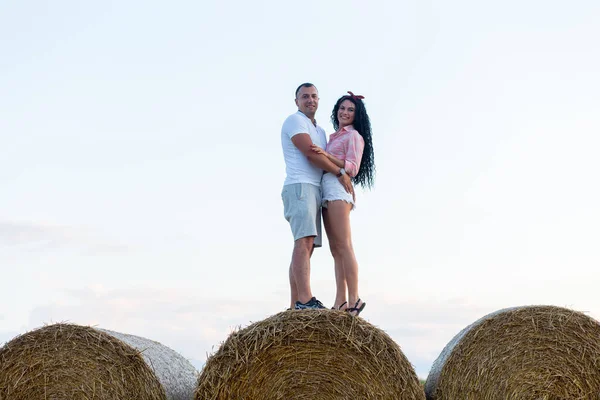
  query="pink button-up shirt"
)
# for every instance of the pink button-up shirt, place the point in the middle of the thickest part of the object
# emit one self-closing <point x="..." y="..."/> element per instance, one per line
<point x="347" y="144"/>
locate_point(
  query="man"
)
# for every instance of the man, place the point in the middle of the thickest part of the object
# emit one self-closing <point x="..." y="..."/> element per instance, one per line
<point x="301" y="192"/>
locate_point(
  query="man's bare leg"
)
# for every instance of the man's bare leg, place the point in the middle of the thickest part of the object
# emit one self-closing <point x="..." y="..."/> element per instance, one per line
<point x="293" y="289"/>
<point x="300" y="269"/>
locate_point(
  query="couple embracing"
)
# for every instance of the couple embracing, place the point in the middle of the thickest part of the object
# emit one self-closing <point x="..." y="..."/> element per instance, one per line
<point x="320" y="178"/>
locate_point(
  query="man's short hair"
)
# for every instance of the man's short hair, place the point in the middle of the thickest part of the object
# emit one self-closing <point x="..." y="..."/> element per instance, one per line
<point x="307" y="84"/>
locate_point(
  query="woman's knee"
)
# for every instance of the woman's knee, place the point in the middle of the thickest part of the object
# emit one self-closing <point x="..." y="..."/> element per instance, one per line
<point x="339" y="248"/>
<point x="335" y="252"/>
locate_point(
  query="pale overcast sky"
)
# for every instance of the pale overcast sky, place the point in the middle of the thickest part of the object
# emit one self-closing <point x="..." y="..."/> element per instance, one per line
<point x="141" y="164"/>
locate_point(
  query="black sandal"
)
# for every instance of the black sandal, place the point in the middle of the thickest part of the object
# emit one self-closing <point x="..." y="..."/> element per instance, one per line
<point x="340" y="306"/>
<point x="357" y="308"/>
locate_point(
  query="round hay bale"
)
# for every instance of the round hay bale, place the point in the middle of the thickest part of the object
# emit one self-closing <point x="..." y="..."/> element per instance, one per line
<point x="175" y="373"/>
<point x="316" y="354"/>
<point x="533" y="352"/>
<point x="66" y="361"/>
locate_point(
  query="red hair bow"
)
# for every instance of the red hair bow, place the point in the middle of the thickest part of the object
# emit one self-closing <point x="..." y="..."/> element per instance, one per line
<point x="359" y="97"/>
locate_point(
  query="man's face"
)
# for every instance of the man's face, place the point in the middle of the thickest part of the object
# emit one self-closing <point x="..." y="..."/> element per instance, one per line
<point x="308" y="101"/>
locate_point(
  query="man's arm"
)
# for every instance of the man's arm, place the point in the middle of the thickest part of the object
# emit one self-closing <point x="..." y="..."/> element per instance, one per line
<point x="336" y="161"/>
<point x="303" y="142"/>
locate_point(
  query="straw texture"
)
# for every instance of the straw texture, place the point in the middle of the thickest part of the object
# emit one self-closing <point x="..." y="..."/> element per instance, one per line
<point x="66" y="361"/>
<point x="533" y="352"/>
<point x="309" y="354"/>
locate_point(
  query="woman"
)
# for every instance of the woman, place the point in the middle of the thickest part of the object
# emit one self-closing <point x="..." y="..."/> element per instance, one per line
<point x="350" y="148"/>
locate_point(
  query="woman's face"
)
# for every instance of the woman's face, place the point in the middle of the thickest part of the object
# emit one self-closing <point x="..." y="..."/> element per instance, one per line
<point x="345" y="113"/>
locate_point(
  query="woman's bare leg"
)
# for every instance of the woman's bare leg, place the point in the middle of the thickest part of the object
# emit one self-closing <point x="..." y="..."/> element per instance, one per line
<point x="340" y="277"/>
<point x="338" y="214"/>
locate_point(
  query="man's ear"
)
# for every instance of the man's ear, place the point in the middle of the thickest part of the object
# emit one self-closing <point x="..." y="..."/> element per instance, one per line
<point x="296" y="101"/>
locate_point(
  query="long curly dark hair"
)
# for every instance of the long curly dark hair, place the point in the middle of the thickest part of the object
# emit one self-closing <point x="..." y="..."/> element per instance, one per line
<point x="366" y="173"/>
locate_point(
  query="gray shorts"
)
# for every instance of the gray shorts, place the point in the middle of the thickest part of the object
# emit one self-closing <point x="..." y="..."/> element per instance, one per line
<point x="302" y="209"/>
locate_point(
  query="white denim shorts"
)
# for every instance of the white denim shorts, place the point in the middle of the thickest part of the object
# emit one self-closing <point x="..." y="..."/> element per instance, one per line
<point x="333" y="190"/>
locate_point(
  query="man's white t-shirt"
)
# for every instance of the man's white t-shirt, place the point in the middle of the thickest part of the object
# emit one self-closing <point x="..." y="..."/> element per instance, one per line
<point x="297" y="167"/>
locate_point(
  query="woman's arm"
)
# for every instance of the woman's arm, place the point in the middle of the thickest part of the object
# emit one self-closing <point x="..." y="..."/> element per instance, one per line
<point x="336" y="161"/>
<point x="354" y="151"/>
